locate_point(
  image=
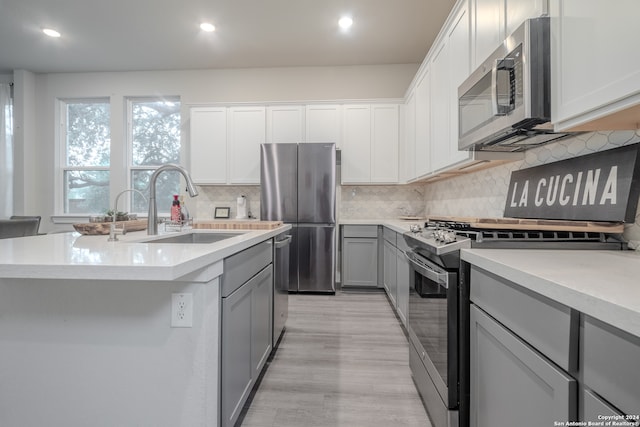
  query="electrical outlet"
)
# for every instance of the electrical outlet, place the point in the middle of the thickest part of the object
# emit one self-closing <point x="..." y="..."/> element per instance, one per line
<point x="181" y="310"/>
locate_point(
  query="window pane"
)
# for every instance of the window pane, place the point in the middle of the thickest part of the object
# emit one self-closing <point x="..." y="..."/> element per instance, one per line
<point x="88" y="134"/>
<point x="156" y="133"/>
<point x="167" y="184"/>
<point x="86" y="192"/>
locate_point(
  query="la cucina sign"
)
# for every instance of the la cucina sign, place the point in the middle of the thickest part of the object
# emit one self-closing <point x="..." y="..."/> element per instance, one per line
<point x="601" y="186"/>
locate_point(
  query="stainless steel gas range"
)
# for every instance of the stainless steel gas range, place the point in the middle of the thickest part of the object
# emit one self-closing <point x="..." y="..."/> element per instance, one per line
<point x="438" y="318"/>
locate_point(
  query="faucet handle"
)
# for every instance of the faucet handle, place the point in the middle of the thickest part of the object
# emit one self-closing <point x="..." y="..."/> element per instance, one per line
<point x="114" y="231"/>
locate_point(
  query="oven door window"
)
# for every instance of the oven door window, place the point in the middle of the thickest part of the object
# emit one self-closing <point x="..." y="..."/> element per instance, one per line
<point x="428" y="319"/>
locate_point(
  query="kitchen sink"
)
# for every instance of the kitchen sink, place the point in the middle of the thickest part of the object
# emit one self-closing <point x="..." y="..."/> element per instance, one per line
<point x="195" y="238"/>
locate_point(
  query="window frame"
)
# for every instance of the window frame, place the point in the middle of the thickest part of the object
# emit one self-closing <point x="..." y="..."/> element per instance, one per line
<point x="60" y="193"/>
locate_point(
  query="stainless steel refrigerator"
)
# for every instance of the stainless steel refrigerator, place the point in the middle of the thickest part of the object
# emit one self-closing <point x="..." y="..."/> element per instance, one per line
<point x="298" y="187"/>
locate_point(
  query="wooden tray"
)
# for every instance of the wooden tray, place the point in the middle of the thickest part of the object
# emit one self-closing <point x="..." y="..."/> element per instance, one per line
<point x="237" y="225"/>
<point x="537" y="224"/>
<point x="99" y="228"/>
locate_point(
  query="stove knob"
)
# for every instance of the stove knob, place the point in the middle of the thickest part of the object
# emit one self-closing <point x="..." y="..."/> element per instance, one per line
<point x="450" y="237"/>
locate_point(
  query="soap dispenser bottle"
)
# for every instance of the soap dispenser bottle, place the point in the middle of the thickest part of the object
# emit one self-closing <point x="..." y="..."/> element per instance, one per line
<point x="175" y="209"/>
<point x="184" y="212"/>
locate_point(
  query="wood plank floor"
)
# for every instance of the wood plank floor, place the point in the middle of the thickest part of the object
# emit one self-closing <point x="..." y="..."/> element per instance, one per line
<point x="343" y="361"/>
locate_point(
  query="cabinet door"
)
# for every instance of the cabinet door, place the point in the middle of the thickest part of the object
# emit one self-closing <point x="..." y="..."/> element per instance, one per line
<point x="423" y="121"/>
<point x="246" y="133"/>
<point x="441" y="89"/>
<point x="403" y="285"/>
<point x="237" y="373"/>
<point x="384" y="143"/>
<point x="285" y="124"/>
<point x="487" y="29"/>
<point x="356" y="146"/>
<point x="460" y="69"/>
<point x="511" y="381"/>
<point x="594" y="65"/>
<point x="208" y="145"/>
<point x="390" y="269"/>
<point x="322" y="123"/>
<point x="261" y="318"/>
<point x="359" y="262"/>
<point x="517" y="11"/>
<point x="408" y="169"/>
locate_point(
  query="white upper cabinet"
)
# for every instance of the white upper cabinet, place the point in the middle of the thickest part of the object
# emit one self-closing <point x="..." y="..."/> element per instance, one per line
<point x="208" y="147"/>
<point x="517" y="11"/>
<point x="449" y="68"/>
<point x="285" y="123"/>
<point x="494" y="20"/>
<point x="595" y="64"/>
<point x="246" y="131"/>
<point x="323" y="123"/>
<point x="423" y="121"/>
<point x="370" y="143"/>
<point x="441" y="90"/>
<point x="488" y="29"/>
<point x="384" y="143"/>
<point x="356" y="149"/>
<point x="408" y="169"/>
<point x="458" y="39"/>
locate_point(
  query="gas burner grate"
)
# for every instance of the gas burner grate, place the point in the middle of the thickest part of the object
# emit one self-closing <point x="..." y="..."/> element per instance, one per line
<point x="480" y="236"/>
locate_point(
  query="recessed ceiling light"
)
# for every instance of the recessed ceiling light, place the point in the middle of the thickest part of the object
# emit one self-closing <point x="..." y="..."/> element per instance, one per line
<point x="51" y="32"/>
<point x="205" y="26"/>
<point x="345" y="22"/>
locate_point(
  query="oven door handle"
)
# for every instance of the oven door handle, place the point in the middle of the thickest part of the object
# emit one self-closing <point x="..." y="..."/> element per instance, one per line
<point x="427" y="272"/>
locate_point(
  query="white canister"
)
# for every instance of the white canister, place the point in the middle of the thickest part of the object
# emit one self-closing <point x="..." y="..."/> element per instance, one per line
<point x="242" y="207"/>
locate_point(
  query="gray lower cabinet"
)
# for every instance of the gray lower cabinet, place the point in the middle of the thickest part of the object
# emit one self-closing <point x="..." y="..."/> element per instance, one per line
<point x="360" y="256"/>
<point x="402" y="280"/>
<point x="511" y="383"/>
<point x="246" y="326"/>
<point x="609" y="360"/>
<point x="390" y="271"/>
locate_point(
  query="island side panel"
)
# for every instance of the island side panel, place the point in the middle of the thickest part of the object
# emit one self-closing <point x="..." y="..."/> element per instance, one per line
<point x="102" y="353"/>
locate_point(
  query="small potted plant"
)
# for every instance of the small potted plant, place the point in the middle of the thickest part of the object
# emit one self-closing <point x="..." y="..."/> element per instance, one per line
<point x="120" y="216"/>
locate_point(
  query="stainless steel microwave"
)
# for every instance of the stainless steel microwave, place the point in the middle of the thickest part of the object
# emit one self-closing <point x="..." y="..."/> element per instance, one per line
<point x="505" y="105"/>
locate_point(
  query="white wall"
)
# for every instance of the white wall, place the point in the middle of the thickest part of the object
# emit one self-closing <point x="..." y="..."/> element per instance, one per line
<point x="37" y="106"/>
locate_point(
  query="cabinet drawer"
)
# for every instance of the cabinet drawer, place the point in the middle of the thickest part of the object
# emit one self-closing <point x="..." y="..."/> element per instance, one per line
<point x="547" y="325"/>
<point x="593" y="407"/>
<point x="511" y="381"/>
<point x="610" y="362"/>
<point x="360" y="231"/>
<point x="389" y="235"/>
<point x="244" y="265"/>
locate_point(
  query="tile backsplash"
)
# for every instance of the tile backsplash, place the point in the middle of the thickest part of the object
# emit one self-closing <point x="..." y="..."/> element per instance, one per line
<point x="478" y="194"/>
<point x="483" y="193"/>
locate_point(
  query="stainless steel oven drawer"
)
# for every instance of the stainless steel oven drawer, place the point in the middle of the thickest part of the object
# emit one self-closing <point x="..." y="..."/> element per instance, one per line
<point x="543" y="323"/>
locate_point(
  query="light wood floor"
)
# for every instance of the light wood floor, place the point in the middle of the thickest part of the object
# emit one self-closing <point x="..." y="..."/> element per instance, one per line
<point x="343" y="361"/>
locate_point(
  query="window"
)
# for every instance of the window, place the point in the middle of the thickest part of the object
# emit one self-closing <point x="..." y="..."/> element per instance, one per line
<point x="86" y="139"/>
<point x="93" y="166"/>
<point x="154" y="140"/>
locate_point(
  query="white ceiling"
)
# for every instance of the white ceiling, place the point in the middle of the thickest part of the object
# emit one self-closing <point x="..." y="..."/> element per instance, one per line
<point x="135" y="35"/>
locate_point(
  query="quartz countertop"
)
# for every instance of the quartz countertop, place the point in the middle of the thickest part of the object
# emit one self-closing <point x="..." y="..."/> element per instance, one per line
<point x="397" y="225"/>
<point x="75" y="256"/>
<point x="601" y="284"/>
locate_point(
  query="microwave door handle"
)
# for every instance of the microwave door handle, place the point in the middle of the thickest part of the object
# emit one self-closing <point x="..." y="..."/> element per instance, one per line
<point x="506" y="64"/>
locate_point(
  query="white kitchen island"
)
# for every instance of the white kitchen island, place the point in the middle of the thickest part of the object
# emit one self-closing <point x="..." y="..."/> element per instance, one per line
<point x="86" y="336"/>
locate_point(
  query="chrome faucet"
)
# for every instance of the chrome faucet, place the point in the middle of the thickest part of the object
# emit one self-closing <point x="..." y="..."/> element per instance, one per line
<point x="112" y="228"/>
<point x="152" y="227"/>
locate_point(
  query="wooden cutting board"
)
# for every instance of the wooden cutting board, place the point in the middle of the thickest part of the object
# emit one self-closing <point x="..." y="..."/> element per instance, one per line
<point x="536" y="224"/>
<point x="99" y="228"/>
<point x="236" y="225"/>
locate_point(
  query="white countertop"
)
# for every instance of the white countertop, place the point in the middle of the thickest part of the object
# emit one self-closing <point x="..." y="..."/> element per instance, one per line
<point x="74" y="256"/>
<point x="397" y="225"/>
<point x="601" y="284"/>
